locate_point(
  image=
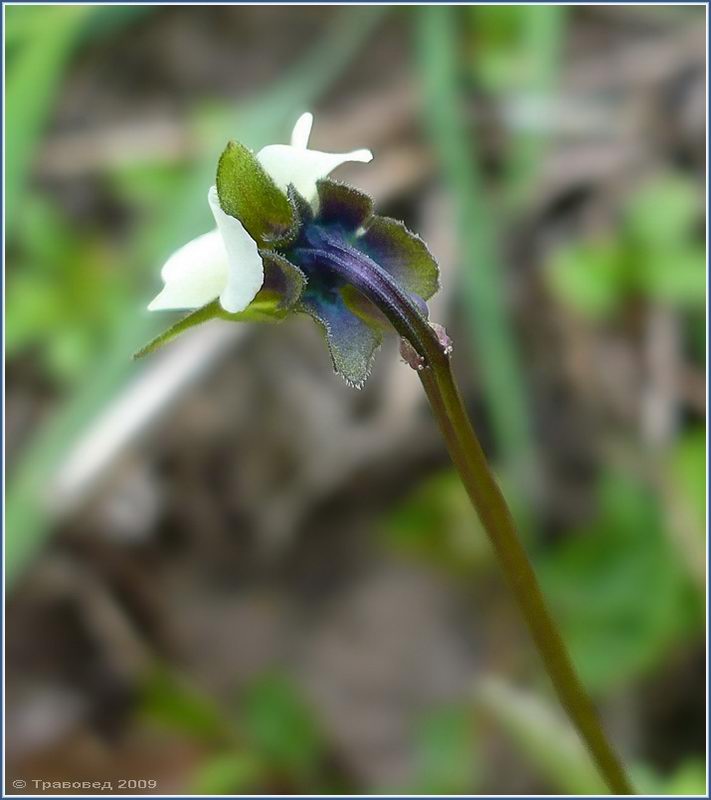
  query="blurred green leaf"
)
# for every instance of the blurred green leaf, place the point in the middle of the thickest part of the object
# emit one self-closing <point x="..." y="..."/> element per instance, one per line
<point x="687" y="466"/>
<point x="436" y="522"/>
<point x="279" y="726"/>
<point x="663" y="211"/>
<point x="677" y="278"/>
<point x="232" y="773"/>
<point x="270" y="733"/>
<point x="63" y="294"/>
<point x="684" y="481"/>
<point x="618" y="588"/>
<point x="448" y="753"/>
<point x="589" y="278"/>
<point x="695" y="335"/>
<point x="688" y="779"/>
<point x="543" y="736"/>
<point x="496" y="26"/>
<point x="170" y="701"/>
<point x="655" y="254"/>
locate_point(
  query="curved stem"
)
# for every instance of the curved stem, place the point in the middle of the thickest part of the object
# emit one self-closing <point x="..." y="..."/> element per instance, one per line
<point x="487" y="499"/>
<point x="369" y="278"/>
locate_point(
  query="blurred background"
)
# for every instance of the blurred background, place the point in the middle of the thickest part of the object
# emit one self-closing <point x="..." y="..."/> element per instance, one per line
<point x="227" y="572"/>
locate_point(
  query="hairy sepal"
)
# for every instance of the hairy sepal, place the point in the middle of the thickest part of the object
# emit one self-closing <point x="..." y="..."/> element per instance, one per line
<point x="283" y="286"/>
<point x="247" y="193"/>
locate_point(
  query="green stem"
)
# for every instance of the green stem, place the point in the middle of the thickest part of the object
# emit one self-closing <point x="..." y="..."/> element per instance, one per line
<point x="486" y="497"/>
<point x="429" y="347"/>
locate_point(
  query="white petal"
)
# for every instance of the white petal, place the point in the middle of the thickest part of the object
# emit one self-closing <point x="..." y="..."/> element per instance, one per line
<point x="194" y="275"/>
<point x="245" y="272"/>
<point x="302" y="131"/>
<point x="287" y="164"/>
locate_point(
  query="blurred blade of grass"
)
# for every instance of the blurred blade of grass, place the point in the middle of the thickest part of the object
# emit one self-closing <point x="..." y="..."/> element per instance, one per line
<point x="551" y="747"/>
<point x="483" y="272"/>
<point x="540" y="50"/>
<point x="546" y="740"/>
<point x="34" y="72"/>
<point x="263" y="119"/>
<point x="448" y="753"/>
<point x="40" y="42"/>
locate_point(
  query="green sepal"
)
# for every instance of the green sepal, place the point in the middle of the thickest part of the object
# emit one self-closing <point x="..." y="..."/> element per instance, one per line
<point x="282" y="289"/>
<point x="283" y="283"/>
<point x="341" y="204"/>
<point x="352" y="342"/>
<point x="197" y="317"/>
<point x="387" y="241"/>
<point x="302" y="208"/>
<point x="257" y="311"/>
<point x="249" y="194"/>
<point x="401" y="253"/>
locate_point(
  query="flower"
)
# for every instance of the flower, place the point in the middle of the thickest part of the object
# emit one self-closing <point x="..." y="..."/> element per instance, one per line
<point x="226" y="262"/>
<point x="290" y="240"/>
